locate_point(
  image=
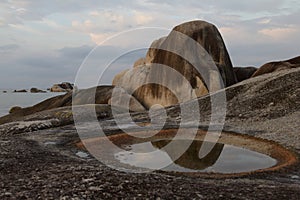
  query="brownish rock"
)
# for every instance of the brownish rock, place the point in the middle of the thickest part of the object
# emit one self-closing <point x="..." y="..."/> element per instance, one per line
<point x="243" y="73"/>
<point x="36" y="90"/>
<point x="277" y="66"/>
<point x="208" y="80"/>
<point x="116" y="81"/>
<point x="152" y="51"/>
<point x="140" y="62"/>
<point x="123" y="100"/>
<point x="15" y="109"/>
<point x="62" y="87"/>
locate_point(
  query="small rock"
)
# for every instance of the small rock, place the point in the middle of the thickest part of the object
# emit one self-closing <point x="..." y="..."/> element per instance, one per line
<point x="82" y="154"/>
<point x="200" y="196"/>
<point x="93" y="188"/>
<point x="7" y="194"/>
<point x="295" y="177"/>
<point x="50" y="143"/>
<point x="87" y="180"/>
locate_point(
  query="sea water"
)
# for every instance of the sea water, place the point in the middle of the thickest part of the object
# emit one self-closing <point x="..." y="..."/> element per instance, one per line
<point x="10" y="99"/>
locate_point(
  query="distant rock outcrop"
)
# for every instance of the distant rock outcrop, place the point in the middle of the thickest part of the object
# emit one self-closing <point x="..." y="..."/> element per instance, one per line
<point x="96" y="95"/>
<point x="243" y="73"/>
<point x="15" y="109"/>
<point x="20" y="91"/>
<point x="36" y="90"/>
<point x="62" y="87"/>
<point x="277" y="66"/>
<point x="160" y="52"/>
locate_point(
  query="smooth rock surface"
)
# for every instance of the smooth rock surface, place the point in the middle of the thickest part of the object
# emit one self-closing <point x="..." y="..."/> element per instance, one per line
<point x="208" y="80"/>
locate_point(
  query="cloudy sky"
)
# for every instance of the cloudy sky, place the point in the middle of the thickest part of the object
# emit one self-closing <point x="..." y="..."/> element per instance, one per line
<point x="43" y="42"/>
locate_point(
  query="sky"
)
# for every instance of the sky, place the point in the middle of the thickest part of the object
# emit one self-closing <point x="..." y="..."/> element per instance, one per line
<point x="43" y="42"/>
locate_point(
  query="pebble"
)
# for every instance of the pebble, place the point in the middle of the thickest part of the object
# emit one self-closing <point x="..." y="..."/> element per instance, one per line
<point x="295" y="177"/>
<point x="7" y="194"/>
<point x="82" y="154"/>
<point x="93" y="188"/>
<point x="87" y="180"/>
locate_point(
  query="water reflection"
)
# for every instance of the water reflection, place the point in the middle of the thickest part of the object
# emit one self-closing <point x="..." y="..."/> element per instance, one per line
<point x="222" y="158"/>
<point x="190" y="158"/>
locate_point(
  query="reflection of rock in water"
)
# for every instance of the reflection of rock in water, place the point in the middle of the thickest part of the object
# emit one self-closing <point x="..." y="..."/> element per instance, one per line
<point x="190" y="159"/>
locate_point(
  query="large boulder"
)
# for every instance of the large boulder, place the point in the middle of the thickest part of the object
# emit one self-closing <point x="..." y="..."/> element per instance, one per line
<point x="177" y="52"/>
<point x="277" y="66"/>
<point x="153" y="50"/>
<point x="243" y="73"/>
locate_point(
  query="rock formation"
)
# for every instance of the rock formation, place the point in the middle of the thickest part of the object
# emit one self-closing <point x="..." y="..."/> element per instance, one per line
<point x="95" y="95"/>
<point x="20" y="91"/>
<point x="15" y="109"/>
<point x="183" y="40"/>
<point x="62" y="87"/>
<point x="36" y="90"/>
<point x="243" y="73"/>
<point x="277" y="66"/>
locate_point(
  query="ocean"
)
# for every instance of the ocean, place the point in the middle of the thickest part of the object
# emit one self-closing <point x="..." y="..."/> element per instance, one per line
<point x="10" y="99"/>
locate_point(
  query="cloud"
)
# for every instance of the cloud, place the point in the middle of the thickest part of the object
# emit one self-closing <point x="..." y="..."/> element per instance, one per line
<point x="49" y="39"/>
<point x="8" y="48"/>
<point x="99" y="38"/>
<point x="76" y="52"/>
<point x="280" y="33"/>
<point x="142" y="18"/>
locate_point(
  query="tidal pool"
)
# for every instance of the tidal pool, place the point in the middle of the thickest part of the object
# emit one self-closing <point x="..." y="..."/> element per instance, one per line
<point x="174" y="151"/>
<point x="223" y="158"/>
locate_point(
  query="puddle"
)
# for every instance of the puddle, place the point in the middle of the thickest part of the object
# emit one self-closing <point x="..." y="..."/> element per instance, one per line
<point x="222" y="158"/>
<point x="233" y="154"/>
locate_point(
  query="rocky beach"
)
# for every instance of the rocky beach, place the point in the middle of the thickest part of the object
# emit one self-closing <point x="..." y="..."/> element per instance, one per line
<point x="43" y="157"/>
